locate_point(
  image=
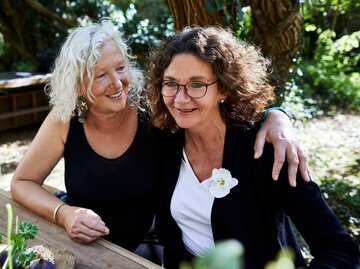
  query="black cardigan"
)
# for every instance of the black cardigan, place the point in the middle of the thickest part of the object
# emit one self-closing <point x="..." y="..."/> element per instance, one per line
<point x="257" y="210"/>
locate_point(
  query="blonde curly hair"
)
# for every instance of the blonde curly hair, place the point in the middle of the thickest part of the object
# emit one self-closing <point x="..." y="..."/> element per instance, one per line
<point x="78" y="57"/>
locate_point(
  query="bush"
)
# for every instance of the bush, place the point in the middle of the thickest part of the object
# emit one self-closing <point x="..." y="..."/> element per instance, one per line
<point x="332" y="76"/>
<point x="343" y="196"/>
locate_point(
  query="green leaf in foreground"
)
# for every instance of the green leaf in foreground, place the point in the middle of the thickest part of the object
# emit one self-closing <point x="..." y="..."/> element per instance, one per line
<point x="27" y="230"/>
<point x="17" y="247"/>
<point x="226" y="255"/>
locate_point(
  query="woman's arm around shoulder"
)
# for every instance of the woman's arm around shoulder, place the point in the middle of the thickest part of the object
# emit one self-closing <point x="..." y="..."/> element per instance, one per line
<point x="277" y="129"/>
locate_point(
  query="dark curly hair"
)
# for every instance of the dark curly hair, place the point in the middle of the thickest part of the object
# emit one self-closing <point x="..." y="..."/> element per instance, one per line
<point x="240" y="68"/>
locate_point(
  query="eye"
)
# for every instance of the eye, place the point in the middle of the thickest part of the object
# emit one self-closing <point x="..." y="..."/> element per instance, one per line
<point x="120" y="68"/>
<point x="196" y="84"/>
<point x="100" y="75"/>
<point x="170" y="84"/>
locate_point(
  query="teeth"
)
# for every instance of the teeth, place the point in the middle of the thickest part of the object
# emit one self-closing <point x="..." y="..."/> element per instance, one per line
<point x="115" y="95"/>
<point x="186" y="110"/>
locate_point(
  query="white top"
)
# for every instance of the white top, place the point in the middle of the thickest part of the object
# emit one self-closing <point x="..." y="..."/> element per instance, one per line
<point x="191" y="206"/>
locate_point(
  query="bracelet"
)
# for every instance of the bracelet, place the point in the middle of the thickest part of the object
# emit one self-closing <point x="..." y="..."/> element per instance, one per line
<point x="266" y="111"/>
<point x="56" y="211"/>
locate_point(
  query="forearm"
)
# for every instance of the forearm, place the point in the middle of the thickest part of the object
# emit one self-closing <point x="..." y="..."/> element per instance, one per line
<point x="330" y="244"/>
<point x="34" y="197"/>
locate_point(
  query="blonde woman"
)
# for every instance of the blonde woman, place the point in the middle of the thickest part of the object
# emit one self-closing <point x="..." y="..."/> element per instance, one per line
<point x="112" y="154"/>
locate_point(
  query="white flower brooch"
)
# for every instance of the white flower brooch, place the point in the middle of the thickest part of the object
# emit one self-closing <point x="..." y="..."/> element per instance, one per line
<point x="221" y="182"/>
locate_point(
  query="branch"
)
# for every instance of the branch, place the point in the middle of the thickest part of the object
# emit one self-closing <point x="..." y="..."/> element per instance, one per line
<point x="14" y="18"/>
<point x="12" y="40"/>
<point x="48" y="14"/>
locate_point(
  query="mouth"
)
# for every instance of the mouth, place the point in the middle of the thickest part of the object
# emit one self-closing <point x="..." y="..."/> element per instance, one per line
<point x="188" y="110"/>
<point x="115" y="95"/>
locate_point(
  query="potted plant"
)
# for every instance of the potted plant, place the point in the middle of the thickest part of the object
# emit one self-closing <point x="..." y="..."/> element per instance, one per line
<point x="16" y="254"/>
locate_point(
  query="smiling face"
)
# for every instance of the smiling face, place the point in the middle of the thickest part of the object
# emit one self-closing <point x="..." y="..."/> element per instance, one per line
<point x="111" y="81"/>
<point x="190" y="113"/>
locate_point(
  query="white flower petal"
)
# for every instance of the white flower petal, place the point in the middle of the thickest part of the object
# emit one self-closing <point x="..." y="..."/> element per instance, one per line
<point x="233" y="182"/>
<point x="221" y="182"/>
<point x="219" y="192"/>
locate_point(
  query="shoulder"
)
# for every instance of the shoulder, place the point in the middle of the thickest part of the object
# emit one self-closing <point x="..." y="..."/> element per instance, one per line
<point x="53" y="127"/>
<point x="52" y="132"/>
<point x="242" y="136"/>
<point x="170" y="138"/>
<point x="246" y="130"/>
<point x="171" y="144"/>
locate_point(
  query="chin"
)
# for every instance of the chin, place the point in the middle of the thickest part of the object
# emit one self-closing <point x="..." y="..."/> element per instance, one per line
<point x="185" y="125"/>
<point x="122" y="104"/>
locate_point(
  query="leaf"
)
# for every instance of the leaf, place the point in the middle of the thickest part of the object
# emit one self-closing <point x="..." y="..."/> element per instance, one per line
<point x="226" y="255"/>
<point x="27" y="230"/>
<point x="210" y="6"/>
<point x="284" y="260"/>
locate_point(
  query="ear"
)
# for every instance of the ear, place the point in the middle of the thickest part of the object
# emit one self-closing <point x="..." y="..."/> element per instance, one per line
<point x="222" y="96"/>
<point x="80" y="90"/>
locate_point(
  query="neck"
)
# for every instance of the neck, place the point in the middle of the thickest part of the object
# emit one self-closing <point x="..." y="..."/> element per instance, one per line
<point x="211" y="137"/>
<point x="109" y="121"/>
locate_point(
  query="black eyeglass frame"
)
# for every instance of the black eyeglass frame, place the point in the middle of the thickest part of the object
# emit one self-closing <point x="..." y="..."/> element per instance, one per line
<point x="186" y="89"/>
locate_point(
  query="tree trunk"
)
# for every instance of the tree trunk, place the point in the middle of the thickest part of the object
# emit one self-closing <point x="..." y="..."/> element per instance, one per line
<point x="191" y="13"/>
<point x="276" y="27"/>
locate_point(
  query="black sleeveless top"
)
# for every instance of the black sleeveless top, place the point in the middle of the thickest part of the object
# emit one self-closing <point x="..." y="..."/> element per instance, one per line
<point x="122" y="191"/>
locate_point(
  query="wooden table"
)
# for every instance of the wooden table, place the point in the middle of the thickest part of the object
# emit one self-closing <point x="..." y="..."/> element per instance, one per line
<point x="97" y="255"/>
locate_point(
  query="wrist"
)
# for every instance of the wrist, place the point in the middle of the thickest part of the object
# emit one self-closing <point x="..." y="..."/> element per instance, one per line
<point x="56" y="213"/>
<point x="266" y="111"/>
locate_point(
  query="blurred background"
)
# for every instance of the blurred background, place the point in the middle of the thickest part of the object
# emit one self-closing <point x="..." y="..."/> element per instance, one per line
<point x="314" y="47"/>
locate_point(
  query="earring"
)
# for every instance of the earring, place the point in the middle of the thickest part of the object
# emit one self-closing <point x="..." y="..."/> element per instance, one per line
<point x="81" y="108"/>
<point x="221" y="101"/>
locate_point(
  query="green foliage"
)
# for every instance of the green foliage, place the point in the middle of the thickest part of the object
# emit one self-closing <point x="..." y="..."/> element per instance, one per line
<point x="236" y="17"/>
<point x="25" y="231"/>
<point x="300" y="103"/>
<point x="340" y="16"/>
<point x="284" y="260"/>
<point x="144" y="22"/>
<point x="326" y="78"/>
<point x="329" y="81"/>
<point x="226" y="255"/>
<point x="331" y="77"/>
<point x="343" y="196"/>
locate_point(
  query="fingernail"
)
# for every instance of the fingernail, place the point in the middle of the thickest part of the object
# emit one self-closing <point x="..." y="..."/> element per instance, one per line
<point x="256" y="155"/>
<point x="293" y="183"/>
<point x="106" y="231"/>
<point x="276" y="176"/>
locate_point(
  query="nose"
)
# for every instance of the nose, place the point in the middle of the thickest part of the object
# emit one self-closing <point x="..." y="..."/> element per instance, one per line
<point x="116" y="80"/>
<point x="181" y="95"/>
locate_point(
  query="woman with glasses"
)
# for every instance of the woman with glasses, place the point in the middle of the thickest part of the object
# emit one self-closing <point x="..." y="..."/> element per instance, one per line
<point x="112" y="155"/>
<point x="207" y="89"/>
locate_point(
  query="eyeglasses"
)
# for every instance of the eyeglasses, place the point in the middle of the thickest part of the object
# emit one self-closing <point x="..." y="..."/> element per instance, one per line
<point x="195" y="89"/>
